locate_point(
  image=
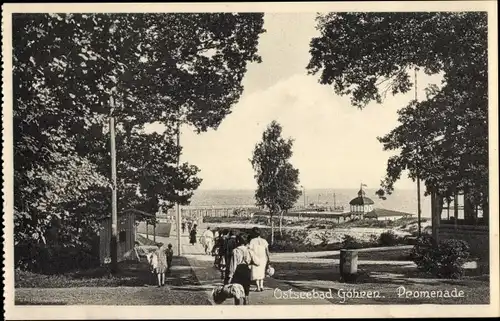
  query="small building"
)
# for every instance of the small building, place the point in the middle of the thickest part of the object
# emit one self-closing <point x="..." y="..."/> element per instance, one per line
<point x="461" y="219"/>
<point x="361" y="205"/>
<point x="126" y="237"/>
<point x="383" y="214"/>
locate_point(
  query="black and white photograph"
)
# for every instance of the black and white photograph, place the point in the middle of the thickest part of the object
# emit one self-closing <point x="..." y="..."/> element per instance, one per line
<point x="160" y="156"/>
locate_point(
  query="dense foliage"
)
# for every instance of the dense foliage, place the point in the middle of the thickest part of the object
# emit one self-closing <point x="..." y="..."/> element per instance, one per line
<point x="444" y="261"/>
<point x="163" y="68"/>
<point x="388" y="238"/>
<point x="443" y="139"/>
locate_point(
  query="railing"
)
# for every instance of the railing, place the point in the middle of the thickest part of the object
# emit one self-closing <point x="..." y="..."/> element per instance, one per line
<point x="462" y="228"/>
<point x="465" y="222"/>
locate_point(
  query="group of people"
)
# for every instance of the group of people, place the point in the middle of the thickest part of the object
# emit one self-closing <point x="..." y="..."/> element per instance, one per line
<point x="188" y="224"/>
<point x="242" y="259"/>
<point x="160" y="262"/>
<point x="191" y="226"/>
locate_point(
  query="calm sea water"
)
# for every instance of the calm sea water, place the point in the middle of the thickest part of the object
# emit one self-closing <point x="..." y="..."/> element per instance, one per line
<point x="400" y="200"/>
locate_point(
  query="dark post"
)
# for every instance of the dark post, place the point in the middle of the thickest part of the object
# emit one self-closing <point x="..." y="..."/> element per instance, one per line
<point x="435" y="217"/>
<point x="455" y="209"/>
<point x="114" y="208"/>
<point x="177" y="206"/>
<point x="419" y="209"/>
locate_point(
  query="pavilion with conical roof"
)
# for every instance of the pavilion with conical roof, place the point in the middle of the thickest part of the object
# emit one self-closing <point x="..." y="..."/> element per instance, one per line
<point x="361" y="204"/>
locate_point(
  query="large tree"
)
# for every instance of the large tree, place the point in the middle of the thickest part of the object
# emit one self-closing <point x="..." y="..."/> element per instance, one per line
<point x="277" y="179"/>
<point x="165" y="68"/>
<point x="443" y="139"/>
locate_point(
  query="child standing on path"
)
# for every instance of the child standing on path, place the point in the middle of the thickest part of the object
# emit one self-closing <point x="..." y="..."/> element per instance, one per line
<point x="161" y="264"/>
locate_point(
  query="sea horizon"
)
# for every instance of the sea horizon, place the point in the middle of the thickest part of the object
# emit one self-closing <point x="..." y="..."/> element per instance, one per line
<point x="403" y="200"/>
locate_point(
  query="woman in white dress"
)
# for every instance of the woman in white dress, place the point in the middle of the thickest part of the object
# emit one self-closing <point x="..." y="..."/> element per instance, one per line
<point x="261" y="249"/>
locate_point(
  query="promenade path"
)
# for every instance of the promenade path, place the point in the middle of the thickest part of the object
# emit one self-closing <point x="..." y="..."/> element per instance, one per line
<point x="209" y="277"/>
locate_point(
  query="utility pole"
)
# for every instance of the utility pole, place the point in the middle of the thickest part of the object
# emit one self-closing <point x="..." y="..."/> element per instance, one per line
<point x="177" y="206"/>
<point x="304" y="191"/>
<point x="419" y="210"/>
<point x="114" y="207"/>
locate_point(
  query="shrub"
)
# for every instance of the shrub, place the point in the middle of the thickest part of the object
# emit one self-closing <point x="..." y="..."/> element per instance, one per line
<point x="373" y="239"/>
<point x="324" y="237"/>
<point x="290" y="246"/>
<point x="349" y="242"/>
<point x="55" y="259"/>
<point x="443" y="261"/>
<point x="388" y="238"/>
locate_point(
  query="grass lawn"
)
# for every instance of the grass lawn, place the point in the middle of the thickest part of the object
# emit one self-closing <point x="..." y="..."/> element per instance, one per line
<point x="132" y="286"/>
<point x="130" y="274"/>
<point x="128" y="296"/>
<point x="387" y="255"/>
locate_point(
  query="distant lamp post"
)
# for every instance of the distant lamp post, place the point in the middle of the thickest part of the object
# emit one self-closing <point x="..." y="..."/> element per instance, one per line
<point x="304" y="192"/>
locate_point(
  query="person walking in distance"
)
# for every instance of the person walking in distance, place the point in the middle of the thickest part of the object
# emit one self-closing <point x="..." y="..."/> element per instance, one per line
<point x="215" y="248"/>
<point x="192" y="235"/>
<point x="220" y="259"/>
<point x="208" y="240"/>
<point x="229" y="246"/>
<point x="261" y="249"/>
<point x="170" y="255"/>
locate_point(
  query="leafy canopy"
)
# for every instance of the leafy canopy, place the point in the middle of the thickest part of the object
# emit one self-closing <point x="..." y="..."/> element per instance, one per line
<point x="445" y="137"/>
<point x="277" y="179"/>
<point x="161" y="68"/>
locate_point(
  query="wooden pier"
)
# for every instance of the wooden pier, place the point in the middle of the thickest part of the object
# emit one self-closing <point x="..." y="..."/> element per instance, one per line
<point x="198" y="213"/>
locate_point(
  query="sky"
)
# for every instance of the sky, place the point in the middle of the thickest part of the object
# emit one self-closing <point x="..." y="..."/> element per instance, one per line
<point x="335" y="144"/>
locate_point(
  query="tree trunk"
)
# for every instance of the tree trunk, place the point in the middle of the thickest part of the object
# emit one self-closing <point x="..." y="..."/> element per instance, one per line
<point x="272" y="228"/>
<point x="433" y="216"/>
<point x="281" y="223"/>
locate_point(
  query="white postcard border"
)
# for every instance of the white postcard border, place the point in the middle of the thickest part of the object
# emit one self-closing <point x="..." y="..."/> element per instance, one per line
<point x="13" y="312"/>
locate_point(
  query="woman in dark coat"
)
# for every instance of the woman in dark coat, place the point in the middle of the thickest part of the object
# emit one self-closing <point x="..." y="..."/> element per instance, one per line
<point x="192" y="235"/>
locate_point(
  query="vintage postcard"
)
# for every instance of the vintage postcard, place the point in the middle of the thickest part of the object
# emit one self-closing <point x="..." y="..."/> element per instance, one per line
<point x="250" y="160"/>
